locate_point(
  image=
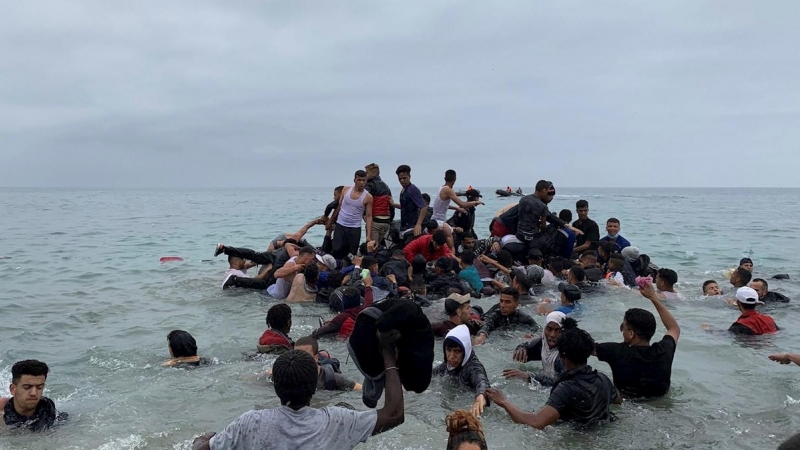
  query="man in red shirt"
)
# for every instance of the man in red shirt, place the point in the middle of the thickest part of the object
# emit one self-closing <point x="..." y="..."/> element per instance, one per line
<point x="430" y="246"/>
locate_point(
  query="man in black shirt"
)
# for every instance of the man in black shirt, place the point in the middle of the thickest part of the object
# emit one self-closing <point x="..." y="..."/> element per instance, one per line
<point x="591" y="232"/>
<point x="764" y="294"/>
<point x="639" y="368"/>
<point x="27" y="407"/>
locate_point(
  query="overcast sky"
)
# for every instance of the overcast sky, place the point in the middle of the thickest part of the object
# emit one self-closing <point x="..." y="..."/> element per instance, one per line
<point x="291" y="93"/>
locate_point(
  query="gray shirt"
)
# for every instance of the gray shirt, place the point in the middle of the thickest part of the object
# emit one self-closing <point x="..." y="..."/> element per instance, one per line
<point x="308" y="428"/>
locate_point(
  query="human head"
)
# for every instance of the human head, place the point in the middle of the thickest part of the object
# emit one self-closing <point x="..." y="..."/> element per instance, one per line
<point x="666" y="279"/>
<point x="574" y="345"/>
<point x="761" y="286"/>
<point x="279" y="317"/>
<point x="309" y="345"/>
<point x="398" y="254"/>
<point x="710" y="287"/>
<point x="467" y="258"/>
<point x="576" y="275"/>
<point x="631" y="253"/>
<point x="27" y="382"/>
<point x="612" y="227"/>
<point x="542" y="190"/>
<point x="360" y="180"/>
<point x="535" y="256"/>
<point x="747" y="298"/>
<point x="443" y="265"/>
<point x="404" y="175"/>
<point x="305" y="256"/>
<point x="326" y="262"/>
<point x="582" y="208"/>
<point x="606" y="248"/>
<point x="565" y="215"/>
<point x="181" y="344"/>
<point x="236" y="262"/>
<point x="569" y="293"/>
<point x="426" y="198"/>
<point x="552" y="327"/>
<point x="509" y="301"/>
<point x="520" y="280"/>
<point x="468" y="242"/>
<point x="373" y="170"/>
<point x="450" y="177"/>
<point x="337" y="192"/>
<point x="438" y="239"/>
<point x="294" y="375"/>
<point x="740" y="277"/>
<point x="465" y="432"/>
<point x="418" y="286"/>
<point x="504" y="258"/>
<point x="473" y="194"/>
<point x="311" y="274"/>
<point x="746" y="264"/>
<point x="638" y="323"/>
<point x="431" y="226"/>
<point x="457" y="306"/>
<point x="588" y="259"/>
<point x="369" y="262"/>
<point x="616" y="262"/>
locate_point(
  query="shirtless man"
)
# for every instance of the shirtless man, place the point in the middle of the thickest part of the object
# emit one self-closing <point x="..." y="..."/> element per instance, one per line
<point x="284" y="277"/>
<point x="354" y="204"/>
<point x="441" y="203"/>
<point x="297" y="236"/>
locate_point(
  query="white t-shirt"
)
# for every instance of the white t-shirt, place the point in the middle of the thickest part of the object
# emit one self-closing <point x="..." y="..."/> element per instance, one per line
<point x="672" y="295"/>
<point x="306" y="429"/>
<point x="231" y="272"/>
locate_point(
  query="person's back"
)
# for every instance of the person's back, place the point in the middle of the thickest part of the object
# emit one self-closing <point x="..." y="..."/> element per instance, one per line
<point x="583" y="396"/>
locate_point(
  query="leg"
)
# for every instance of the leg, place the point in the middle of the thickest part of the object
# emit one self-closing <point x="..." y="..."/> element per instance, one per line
<point x="353" y="239"/>
<point x="379" y="231"/>
<point x="247" y="283"/>
<point x="262" y="258"/>
<point x="339" y="242"/>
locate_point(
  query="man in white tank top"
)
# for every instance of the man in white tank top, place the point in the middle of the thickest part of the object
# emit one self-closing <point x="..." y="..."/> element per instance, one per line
<point x="355" y="203"/>
<point x="441" y="204"/>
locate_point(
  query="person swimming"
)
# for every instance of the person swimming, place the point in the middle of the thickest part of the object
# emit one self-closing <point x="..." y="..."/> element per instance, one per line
<point x="182" y="350"/>
<point x="27" y="407"/>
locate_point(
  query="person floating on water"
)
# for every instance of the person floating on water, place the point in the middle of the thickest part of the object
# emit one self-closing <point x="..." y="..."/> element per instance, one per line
<point x="28" y="407"/>
<point x="182" y="350"/>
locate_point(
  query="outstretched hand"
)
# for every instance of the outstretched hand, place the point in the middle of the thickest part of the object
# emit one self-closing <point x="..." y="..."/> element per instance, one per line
<point x="496" y="396"/>
<point x="516" y="373"/>
<point x="782" y="358"/>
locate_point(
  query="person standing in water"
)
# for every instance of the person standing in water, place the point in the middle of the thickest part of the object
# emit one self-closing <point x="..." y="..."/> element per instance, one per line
<point x="441" y="204"/>
<point x="354" y="205"/>
<point x="412" y="206"/>
<point x="28" y="407"/>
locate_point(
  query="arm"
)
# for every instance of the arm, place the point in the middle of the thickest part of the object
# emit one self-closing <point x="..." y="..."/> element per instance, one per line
<point x="420" y="219"/>
<point x="392" y="414"/>
<point x="785" y="358"/>
<point x="330" y="327"/>
<point x="335" y="215"/>
<point x="288" y="269"/>
<point x="449" y="193"/>
<point x="298" y="235"/>
<point x="539" y="420"/>
<point x="666" y="317"/>
<point x="368" y="215"/>
<point x="412" y="249"/>
<point x="292" y="250"/>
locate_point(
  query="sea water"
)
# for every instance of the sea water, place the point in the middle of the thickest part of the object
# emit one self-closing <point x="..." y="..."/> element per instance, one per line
<point x="85" y="292"/>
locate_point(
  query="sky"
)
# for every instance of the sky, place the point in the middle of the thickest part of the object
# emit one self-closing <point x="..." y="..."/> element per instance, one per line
<point x="294" y="93"/>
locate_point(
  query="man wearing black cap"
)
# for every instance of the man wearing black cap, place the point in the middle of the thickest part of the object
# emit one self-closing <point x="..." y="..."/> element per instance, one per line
<point x="459" y="311"/>
<point x="465" y="220"/>
<point x="570" y="294"/>
<point x="746" y="264"/>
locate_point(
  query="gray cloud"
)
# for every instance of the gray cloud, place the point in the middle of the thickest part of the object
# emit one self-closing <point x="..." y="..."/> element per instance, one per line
<point x="198" y="93"/>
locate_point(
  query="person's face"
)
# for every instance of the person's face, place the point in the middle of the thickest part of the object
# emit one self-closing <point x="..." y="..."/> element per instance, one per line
<point x="551" y="333"/>
<point x="360" y="183"/>
<point x="454" y="356"/>
<point x="28" y="391"/>
<point x="404" y="179"/>
<point x="305" y="259"/>
<point x="468" y="243"/>
<point x="564" y="299"/>
<point x="571" y="278"/>
<point x="336" y="194"/>
<point x="747" y="266"/>
<point x="508" y="305"/>
<point x="612" y="228"/>
<point x="627" y="333"/>
<point x="583" y="213"/>
<point x="435" y="245"/>
<point x="306" y="348"/>
<point x="463" y="312"/>
<point x="712" y="289"/>
<point x="549" y="198"/>
<point x="659" y="283"/>
<point x="760" y="288"/>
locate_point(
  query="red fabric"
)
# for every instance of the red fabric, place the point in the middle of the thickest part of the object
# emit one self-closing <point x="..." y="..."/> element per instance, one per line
<point x="271" y="337"/>
<point x="759" y="323"/>
<point x="380" y="206"/>
<point x="347" y="328"/>
<point x="500" y="230"/>
<point x="421" y="246"/>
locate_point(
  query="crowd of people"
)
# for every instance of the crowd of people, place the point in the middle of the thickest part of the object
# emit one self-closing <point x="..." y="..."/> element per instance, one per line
<point x="381" y="286"/>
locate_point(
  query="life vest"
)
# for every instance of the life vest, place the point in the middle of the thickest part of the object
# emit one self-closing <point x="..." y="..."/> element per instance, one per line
<point x="757" y="322"/>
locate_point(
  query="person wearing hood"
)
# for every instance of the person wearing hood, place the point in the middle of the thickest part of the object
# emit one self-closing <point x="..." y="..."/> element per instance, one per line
<point x="461" y="363"/>
<point x="581" y="394"/>
<point x="640" y="263"/>
<point x="541" y="348"/>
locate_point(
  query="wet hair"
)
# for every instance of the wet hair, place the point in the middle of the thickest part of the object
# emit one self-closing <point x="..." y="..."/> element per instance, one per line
<point x="294" y="375"/>
<point x="589" y="254"/>
<point x="432" y="226"/>
<point x="335" y="279"/>
<point x="573" y="343"/>
<point x="607" y="247"/>
<point x="234" y="259"/>
<point x="360" y="174"/>
<point x="557" y="264"/>
<point x="310" y="341"/>
<point x="439" y="237"/>
<point x="403" y="169"/>
<point x="760" y="280"/>
<point x="427" y="198"/>
<point x="543" y="184"/>
<point x="306" y="251"/>
<point x="311" y="272"/>
<point x="612" y="220"/>
<point x="505" y="258"/>
<point x="617" y="260"/>
<point x="464" y="428"/>
<point x="521" y="278"/>
<point x="510" y="291"/>
<point x="669" y="276"/>
<point x="338" y="188"/>
<point x="279" y="316"/>
<point x="642" y="322"/>
<point x="468" y="257"/>
<point x="578" y="273"/>
<point x="581" y="204"/>
<point x="417" y="285"/>
<point x="182" y="344"/>
<point x="418" y="265"/>
<point x="450" y="175"/>
<point x="707" y="282"/>
<point x="444" y="263"/>
<point x="744" y="275"/>
<point x="793" y="443"/>
<point x="452" y="342"/>
<point x="368" y="261"/>
<point x="30" y="367"/>
<point x="565" y="215"/>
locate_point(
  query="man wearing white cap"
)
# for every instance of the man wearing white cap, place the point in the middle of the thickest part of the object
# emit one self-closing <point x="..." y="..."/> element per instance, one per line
<point x="751" y="322"/>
